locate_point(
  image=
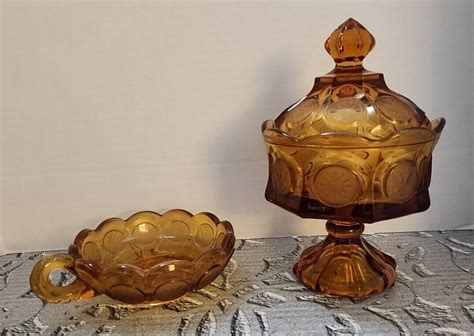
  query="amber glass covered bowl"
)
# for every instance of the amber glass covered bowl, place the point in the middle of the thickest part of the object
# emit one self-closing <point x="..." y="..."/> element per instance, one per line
<point x="351" y="151"/>
<point x="147" y="259"/>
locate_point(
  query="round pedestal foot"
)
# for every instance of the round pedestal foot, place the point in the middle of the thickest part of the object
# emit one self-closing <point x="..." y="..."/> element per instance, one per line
<point x="345" y="264"/>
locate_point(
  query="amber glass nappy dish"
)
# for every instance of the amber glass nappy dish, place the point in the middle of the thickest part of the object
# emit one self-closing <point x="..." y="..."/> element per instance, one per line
<point x="147" y="259"/>
<point x="351" y="151"/>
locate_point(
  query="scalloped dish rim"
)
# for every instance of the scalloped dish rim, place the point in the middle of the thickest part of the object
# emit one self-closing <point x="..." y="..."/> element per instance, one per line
<point x="75" y="248"/>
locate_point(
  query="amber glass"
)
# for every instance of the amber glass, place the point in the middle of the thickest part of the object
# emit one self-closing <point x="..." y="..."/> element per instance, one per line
<point x="147" y="259"/>
<point x="351" y="151"/>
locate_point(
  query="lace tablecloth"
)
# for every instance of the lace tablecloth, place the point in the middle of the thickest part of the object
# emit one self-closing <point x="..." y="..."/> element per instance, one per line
<point x="258" y="294"/>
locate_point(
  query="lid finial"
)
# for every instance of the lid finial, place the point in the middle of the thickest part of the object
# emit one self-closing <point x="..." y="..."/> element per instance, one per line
<point x="349" y="43"/>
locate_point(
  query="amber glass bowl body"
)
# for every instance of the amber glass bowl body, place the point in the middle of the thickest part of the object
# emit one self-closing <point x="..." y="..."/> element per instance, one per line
<point x="147" y="259"/>
<point x="351" y="151"/>
<point x="351" y="178"/>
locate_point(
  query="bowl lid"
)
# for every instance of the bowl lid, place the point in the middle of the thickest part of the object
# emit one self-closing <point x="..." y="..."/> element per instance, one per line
<point x="350" y="103"/>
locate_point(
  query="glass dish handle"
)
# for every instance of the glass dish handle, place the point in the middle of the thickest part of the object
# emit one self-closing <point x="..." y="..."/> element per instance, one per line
<point x="41" y="285"/>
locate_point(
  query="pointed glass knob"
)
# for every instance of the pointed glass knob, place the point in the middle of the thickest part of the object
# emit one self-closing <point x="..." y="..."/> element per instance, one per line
<point x="349" y="43"/>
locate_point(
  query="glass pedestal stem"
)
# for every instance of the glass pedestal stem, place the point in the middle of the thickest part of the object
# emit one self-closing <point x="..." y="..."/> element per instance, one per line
<point x="345" y="264"/>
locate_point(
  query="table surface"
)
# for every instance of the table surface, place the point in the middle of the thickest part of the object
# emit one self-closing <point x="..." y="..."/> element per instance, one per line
<point x="258" y="294"/>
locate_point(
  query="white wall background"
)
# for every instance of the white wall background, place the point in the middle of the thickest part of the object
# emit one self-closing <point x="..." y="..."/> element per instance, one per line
<point x="112" y="107"/>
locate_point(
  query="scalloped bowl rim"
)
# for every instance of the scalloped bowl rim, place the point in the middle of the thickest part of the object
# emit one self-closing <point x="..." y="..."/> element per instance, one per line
<point x="276" y="136"/>
<point x="75" y="247"/>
